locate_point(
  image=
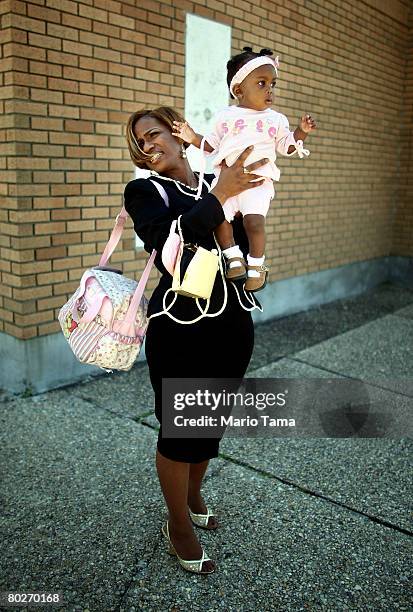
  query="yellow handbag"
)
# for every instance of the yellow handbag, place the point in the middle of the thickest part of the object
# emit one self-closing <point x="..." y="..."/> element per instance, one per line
<point x="193" y="274"/>
<point x="195" y="269"/>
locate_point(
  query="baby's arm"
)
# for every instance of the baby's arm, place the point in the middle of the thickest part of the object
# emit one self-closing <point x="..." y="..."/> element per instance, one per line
<point x="307" y="124"/>
<point x="288" y="143"/>
<point x="187" y="134"/>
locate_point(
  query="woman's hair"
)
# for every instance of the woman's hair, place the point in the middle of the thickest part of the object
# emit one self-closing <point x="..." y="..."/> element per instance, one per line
<point x="164" y="114"/>
<point x="236" y="62"/>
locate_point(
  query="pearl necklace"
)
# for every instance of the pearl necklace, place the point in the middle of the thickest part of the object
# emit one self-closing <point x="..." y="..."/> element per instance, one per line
<point x="178" y="183"/>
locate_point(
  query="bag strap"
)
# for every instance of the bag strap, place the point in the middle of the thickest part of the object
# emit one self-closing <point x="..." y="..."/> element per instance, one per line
<point x="137" y="296"/>
<point x="204" y="312"/>
<point x="162" y="191"/>
<point x="114" y="237"/>
<point x="138" y="293"/>
<point x="119" y="225"/>
<point x="202" y="170"/>
<point x="110" y="247"/>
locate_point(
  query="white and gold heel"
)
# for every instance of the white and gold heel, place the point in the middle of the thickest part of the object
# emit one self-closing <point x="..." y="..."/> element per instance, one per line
<point x="195" y="565"/>
<point x="201" y="520"/>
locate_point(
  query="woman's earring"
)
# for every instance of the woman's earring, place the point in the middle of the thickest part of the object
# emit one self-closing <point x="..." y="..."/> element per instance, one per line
<point x="183" y="152"/>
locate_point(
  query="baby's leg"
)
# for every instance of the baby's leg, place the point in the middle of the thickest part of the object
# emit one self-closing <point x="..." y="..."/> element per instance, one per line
<point x="224" y="235"/>
<point x="234" y="257"/>
<point x="254" y="205"/>
<point x="254" y="226"/>
<point x="257" y="273"/>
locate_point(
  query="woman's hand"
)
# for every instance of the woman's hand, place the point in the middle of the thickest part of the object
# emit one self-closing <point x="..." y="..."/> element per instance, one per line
<point x="236" y="178"/>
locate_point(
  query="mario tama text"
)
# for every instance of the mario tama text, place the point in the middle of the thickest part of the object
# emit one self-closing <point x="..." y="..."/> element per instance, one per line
<point x="278" y="407"/>
<point x="205" y="421"/>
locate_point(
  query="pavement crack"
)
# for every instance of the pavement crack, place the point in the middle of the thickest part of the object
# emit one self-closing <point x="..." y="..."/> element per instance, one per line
<point x="347" y="376"/>
<point x="95" y="404"/>
<point x="140" y="572"/>
<point x="312" y="493"/>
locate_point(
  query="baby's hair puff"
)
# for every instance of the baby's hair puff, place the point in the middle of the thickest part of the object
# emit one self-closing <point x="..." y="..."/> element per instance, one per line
<point x="236" y="62"/>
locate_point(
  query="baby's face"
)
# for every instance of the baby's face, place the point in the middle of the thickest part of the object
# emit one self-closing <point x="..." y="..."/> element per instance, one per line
<point x="256" y="90"/>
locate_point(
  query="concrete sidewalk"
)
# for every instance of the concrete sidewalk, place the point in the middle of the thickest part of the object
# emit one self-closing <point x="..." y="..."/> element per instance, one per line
<point x="306" y="524"/>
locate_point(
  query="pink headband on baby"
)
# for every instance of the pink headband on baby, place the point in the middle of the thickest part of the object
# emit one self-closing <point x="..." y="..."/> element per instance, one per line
<point x="250" y="66"/>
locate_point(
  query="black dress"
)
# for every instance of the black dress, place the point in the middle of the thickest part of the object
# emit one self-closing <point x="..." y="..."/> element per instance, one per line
<point x="216" y="347"/>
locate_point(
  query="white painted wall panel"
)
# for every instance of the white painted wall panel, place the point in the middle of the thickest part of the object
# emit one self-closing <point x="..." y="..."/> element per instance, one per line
<point x="207" y="51"/>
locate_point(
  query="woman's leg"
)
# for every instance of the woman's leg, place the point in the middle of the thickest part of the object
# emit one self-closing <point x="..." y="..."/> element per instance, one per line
<point x="173" y="478"/>
<point x="195" y="499"/>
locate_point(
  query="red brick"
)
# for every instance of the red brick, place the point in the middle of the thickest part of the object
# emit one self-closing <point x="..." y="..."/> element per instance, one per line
<point x="77" y="49"/>
<point x="79" y="23"/>
<point x="30" y="25"/>
<point x="58" y="190"/>
<point x="51" y="253"/>
<point x="93" y="64"/>
<point x="125" y="23"/>
<point x="46" y="14"/>
<point x="123" y="46"/>
<point x="51" y="277"/>
<point x="65" y="59"/>
<point x="63" y="5"/>
<point x="45" y="42"/>
<point x="56" y="97"/>
<point x="63" y="111"/>
<point x="66" y="264"/>
<point x="107" y="29"/>
<point x="94" y="114"/>
<point x="78" y="100"/>
<point x="66" y="33"/>
<point x="66" y="239"/>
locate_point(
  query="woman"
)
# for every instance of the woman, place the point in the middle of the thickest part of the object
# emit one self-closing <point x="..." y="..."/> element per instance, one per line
<point x="198" y="350"/>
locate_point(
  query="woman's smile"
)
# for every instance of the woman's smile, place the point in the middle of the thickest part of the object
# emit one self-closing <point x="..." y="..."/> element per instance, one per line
<point x="155" y="157"/>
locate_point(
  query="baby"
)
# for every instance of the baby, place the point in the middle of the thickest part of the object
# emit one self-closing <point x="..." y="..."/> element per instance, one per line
<point x="251" y="79"/>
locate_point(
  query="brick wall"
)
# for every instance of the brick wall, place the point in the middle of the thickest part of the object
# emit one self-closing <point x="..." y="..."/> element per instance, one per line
<point x="73" y="71"/>
<point x="403" y="226"/>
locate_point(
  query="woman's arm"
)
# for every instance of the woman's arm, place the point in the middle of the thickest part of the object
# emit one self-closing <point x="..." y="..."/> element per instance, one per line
<point x="152" y="218"/>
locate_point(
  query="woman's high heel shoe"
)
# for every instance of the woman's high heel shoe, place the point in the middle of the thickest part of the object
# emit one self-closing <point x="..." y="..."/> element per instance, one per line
<point x="201" y="520"/>
<point x="194" y="566"/>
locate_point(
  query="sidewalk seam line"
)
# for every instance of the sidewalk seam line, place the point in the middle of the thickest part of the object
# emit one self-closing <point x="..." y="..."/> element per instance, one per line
<point x="303" y="489"/>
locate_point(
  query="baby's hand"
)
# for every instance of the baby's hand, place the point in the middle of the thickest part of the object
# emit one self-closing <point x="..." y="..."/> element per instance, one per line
<point x="183" y="131"/>
<point x="307" y="124"/>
